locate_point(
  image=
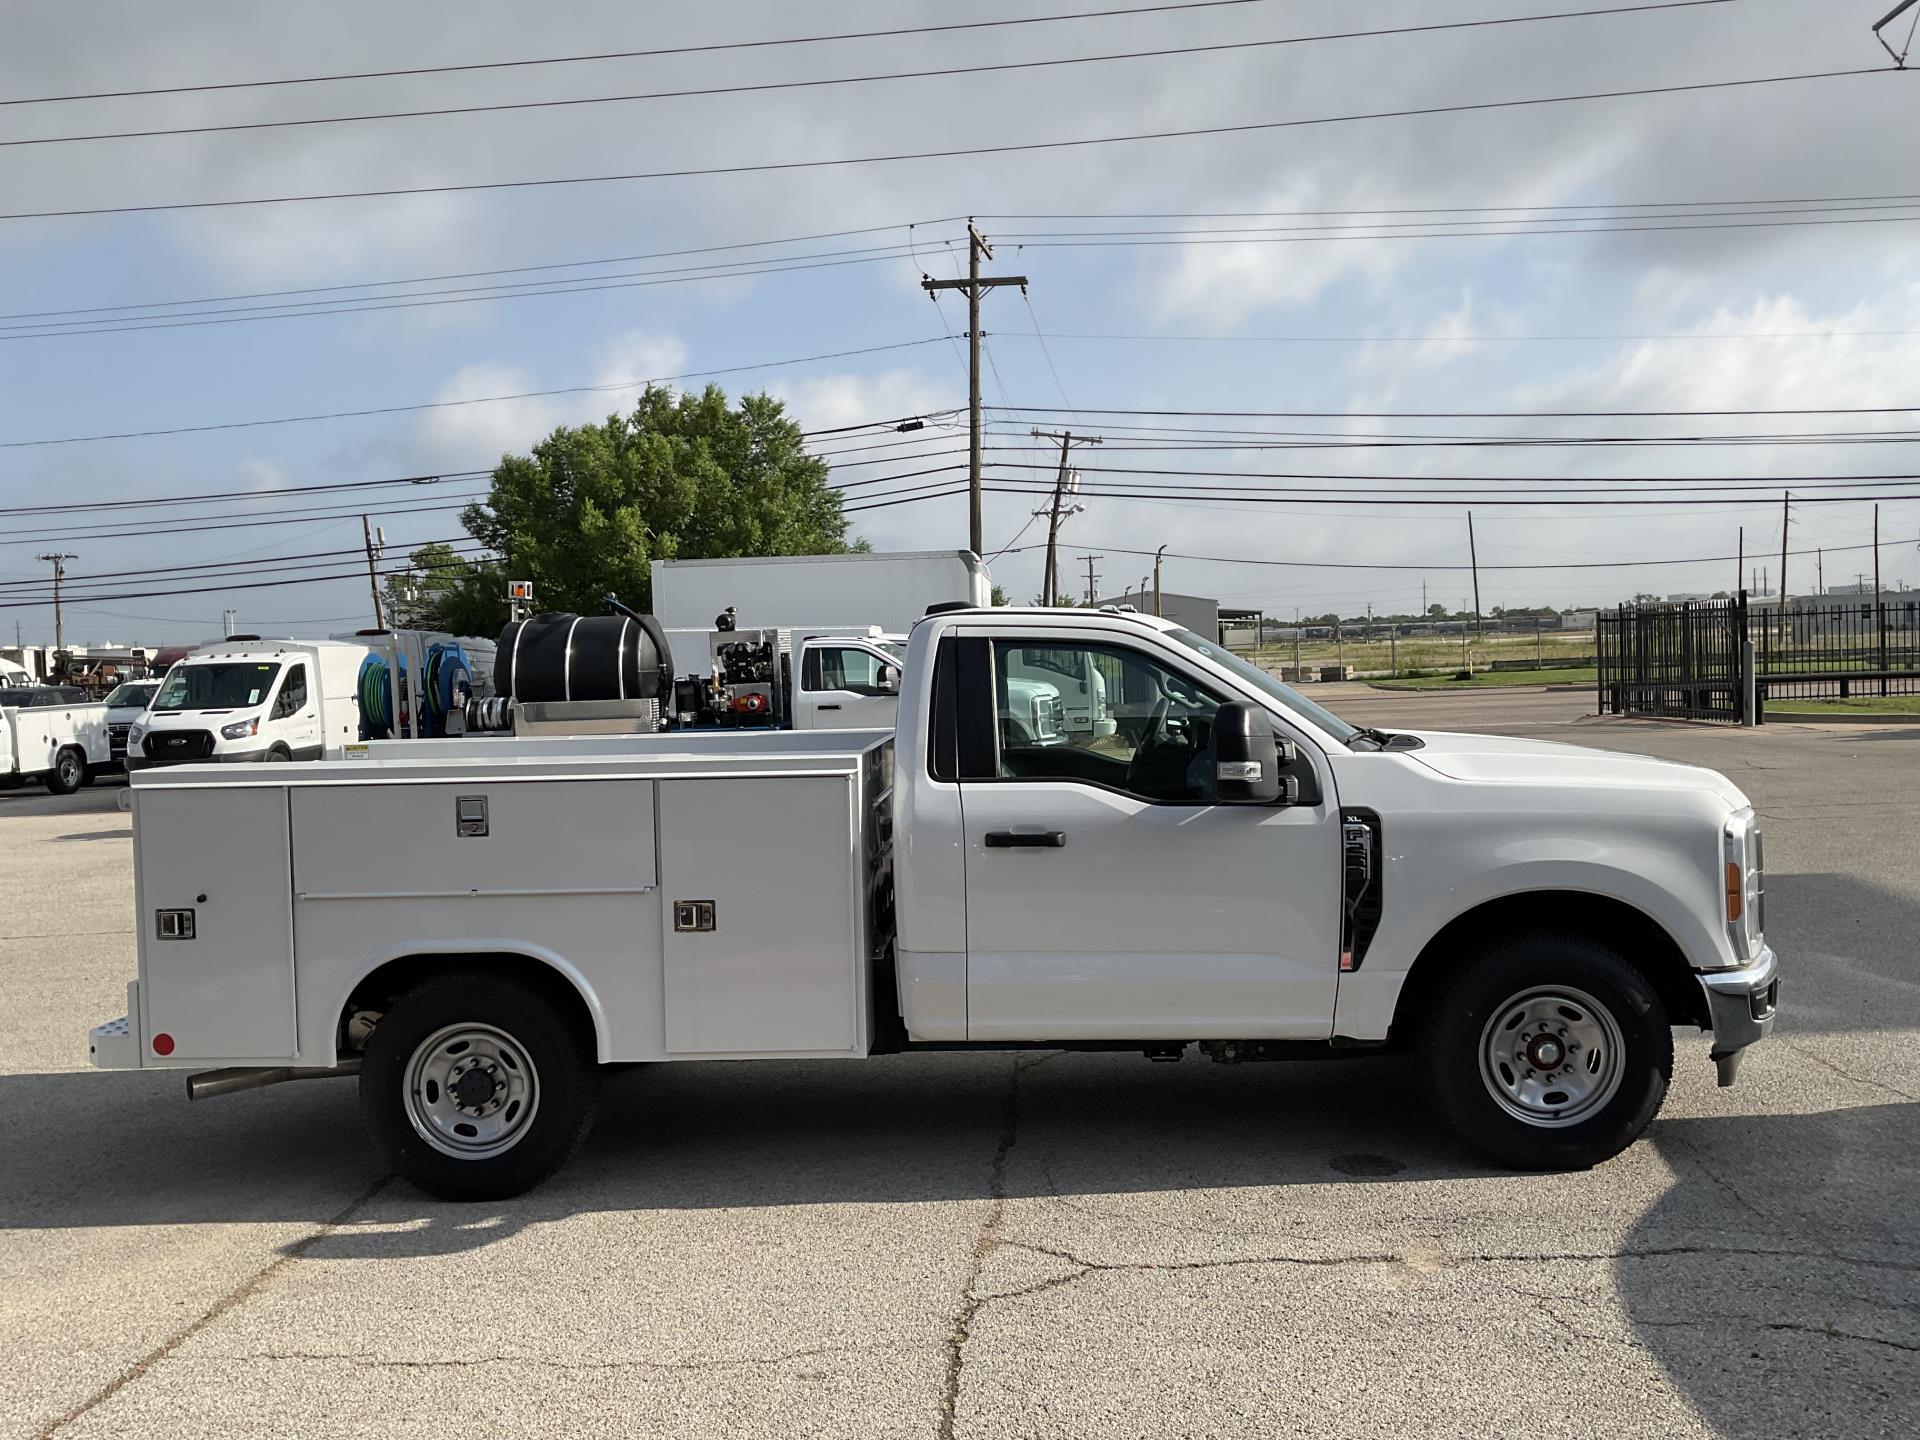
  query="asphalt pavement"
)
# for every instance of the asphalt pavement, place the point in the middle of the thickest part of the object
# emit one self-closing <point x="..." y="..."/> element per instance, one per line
<point x="994" y="1245"/>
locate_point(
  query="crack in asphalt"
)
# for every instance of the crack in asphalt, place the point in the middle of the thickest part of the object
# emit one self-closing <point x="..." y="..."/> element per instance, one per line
<point x="1828" y="1332"/>
<point x="983" y="1246"/>
<point x="232" y="1300"/>
<point x="1845" y="1073"/>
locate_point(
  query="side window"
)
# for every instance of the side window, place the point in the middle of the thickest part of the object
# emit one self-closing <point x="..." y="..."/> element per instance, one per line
<point x="293" y="694"/>
<point x="841" y="668"/>
<point x="1158" y="746"/>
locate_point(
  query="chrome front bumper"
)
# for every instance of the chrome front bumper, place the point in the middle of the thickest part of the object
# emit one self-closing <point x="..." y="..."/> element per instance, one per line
<point x="1741" y="1005"/>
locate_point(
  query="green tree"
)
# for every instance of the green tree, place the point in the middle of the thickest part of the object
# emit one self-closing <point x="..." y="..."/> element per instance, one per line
<point x="1059" y="602"/>
<point x="999" y="597"/>
<point x="681" y="477"/>
<point x="440" y="590"/>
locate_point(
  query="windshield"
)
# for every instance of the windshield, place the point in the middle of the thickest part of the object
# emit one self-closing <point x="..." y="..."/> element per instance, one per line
<point x="219" y="686"/>
<point x="134" y="692"/>
<point x="1289" y="697"/>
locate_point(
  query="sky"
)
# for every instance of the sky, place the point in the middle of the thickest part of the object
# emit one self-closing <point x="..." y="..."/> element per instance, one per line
<point x="1472" y="306"/>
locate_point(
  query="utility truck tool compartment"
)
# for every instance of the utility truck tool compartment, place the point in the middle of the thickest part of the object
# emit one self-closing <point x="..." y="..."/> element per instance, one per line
<point x="699" y="904"/>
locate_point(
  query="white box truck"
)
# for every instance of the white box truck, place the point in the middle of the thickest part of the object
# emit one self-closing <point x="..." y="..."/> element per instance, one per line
<point x="817" y="592"/>
<point x="53" y="734"/>
<point x="476" y="929"/>
<point x="252" y="699"/>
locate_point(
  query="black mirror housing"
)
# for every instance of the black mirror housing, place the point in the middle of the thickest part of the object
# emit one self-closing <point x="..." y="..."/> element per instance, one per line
<point x="1246" y="757"/>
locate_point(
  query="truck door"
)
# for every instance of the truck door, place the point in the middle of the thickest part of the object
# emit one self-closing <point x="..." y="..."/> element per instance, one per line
<point x="296" y="715"/>
<point x="1108" y="897"/>
<point x="840" y="688"/>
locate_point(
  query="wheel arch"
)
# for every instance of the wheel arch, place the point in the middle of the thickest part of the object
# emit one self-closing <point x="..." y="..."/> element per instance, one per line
<point x="1641" y="940"/>
<point x="390" y="975"/>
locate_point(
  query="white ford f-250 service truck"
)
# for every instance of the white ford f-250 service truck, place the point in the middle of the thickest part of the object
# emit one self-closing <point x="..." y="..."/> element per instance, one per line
<point x="475" y="927"/>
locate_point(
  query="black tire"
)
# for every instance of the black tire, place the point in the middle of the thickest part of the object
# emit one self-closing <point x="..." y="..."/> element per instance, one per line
<point x="69" y="772"/>
<point x="279" y="755"/>
<point x="1456" y="1033"/>
<point x="561" y="1059"/>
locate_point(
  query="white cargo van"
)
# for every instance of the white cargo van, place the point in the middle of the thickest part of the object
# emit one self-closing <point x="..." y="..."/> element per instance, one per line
<point x="253" y="699"/>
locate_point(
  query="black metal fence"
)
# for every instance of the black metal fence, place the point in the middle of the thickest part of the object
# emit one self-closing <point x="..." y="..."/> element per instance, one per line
<point x="1686" y="660"/>
<point x="1838" y="651"/>
<point x="1683" y="661"/>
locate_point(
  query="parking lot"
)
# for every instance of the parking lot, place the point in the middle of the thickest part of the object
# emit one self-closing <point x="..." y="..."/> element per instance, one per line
<point x="1033" y="1244"/>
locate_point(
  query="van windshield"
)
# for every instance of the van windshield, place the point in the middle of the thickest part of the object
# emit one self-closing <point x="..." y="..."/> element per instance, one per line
<point x="134" y="692"/>
<point x="1289" y="697"/>
<point x="216" y="686"/>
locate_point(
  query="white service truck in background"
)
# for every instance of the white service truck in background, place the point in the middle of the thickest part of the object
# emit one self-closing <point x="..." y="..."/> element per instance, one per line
<point x="53" y="734"/>
<point x="476" y="930"/>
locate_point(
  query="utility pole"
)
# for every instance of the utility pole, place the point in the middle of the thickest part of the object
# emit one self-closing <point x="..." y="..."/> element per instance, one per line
<point x="1786" y="499"/>
<point x="58" y="559"/>
<point x="373" y="572"/>
<point x="973" y="285"/>
<point x="1879" y="603"/>
<point x="1093" y="580"/>
<point x="1473" y="557"/>
<point x="1050" y="590"/>
<point x="1740" y="561"/>
<point x="1156" y="579"/>
<point x="1820" y="570"/>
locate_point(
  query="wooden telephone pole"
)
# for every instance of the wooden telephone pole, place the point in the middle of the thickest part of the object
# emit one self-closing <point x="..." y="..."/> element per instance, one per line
<point x="974" y="284"/>
<point x="1050" y="586"/>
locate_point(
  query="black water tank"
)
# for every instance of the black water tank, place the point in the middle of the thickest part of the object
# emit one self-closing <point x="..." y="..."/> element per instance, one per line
<point x="583" y="657"/>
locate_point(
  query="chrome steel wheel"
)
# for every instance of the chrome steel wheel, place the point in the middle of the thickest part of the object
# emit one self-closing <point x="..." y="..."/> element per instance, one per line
<point x="472" y="1091"/>
<point x="1552" y="1056"/>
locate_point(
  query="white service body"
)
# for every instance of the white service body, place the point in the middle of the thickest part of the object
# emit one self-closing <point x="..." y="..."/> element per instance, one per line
<point x="61" y="743"/>
<point x="847" y="592"/>
<point x="253" y="700"/>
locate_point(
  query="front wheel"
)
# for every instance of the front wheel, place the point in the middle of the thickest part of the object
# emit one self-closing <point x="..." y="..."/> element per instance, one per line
<point x="476" y="1088"/>
<point x="1548" y="1052"/>
<point x="68" y="774"/>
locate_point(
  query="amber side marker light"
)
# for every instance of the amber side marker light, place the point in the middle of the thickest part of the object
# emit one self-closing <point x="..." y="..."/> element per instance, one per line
<point x="1734" y="890"/>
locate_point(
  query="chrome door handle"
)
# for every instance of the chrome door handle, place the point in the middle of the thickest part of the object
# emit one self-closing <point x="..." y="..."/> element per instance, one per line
<point x="1025" y="840"/>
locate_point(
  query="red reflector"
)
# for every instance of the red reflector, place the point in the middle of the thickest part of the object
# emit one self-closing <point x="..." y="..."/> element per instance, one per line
<point x="163" y="1044"/>
<point x="1346" y="961"/>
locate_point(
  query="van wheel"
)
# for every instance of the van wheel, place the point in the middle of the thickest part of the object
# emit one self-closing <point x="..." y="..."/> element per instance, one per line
<point x="475" y="1088"/>
<point x="279" y="754"/>
<point x="1548" y="1052"/>
<point x="69" y="772"/>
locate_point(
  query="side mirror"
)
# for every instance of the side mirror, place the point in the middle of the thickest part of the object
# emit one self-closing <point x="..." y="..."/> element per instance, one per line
<point x="1247" y="758"/>
<point x="889" y="679"/>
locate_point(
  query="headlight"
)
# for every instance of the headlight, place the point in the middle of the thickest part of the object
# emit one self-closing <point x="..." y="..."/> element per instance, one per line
<point x="240" y="729"/>
<point x="136" y="730"/>
<point x="1744" y="862"/>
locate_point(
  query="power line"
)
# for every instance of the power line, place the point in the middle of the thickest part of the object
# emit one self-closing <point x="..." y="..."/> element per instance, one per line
<point x="1011" y="148"/>
<point x="483" y="274"/>
<point x="455" y="404"/>
<point x="630" y="54"/>
<point x="1468" y="414"/>
<point x="231" y="581"/>
<point x="1422" y="569"/>
<point x="192" y="499"/>
<point x="178" y="526"/>
<point x="276" y="563"/>
<point x="1317" y="239"/>
<point x="565" y="102"/>
<point x="1557" y="482"/>
<point x="477" y="295"/>
<point x="1827" y="200"/>
<point x="355" y="574"/>
<point x="1458" y="339"/>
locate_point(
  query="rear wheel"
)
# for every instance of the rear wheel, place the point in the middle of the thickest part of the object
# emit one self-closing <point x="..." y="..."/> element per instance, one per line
<point x="1548" y="1052"/>
<point x="69" y="772"/>
<point x="476" y="1088"/>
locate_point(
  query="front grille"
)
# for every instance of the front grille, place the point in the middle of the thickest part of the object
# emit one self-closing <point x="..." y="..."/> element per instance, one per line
<point x="117" y="739"/>
<point x="169" y="745"/>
